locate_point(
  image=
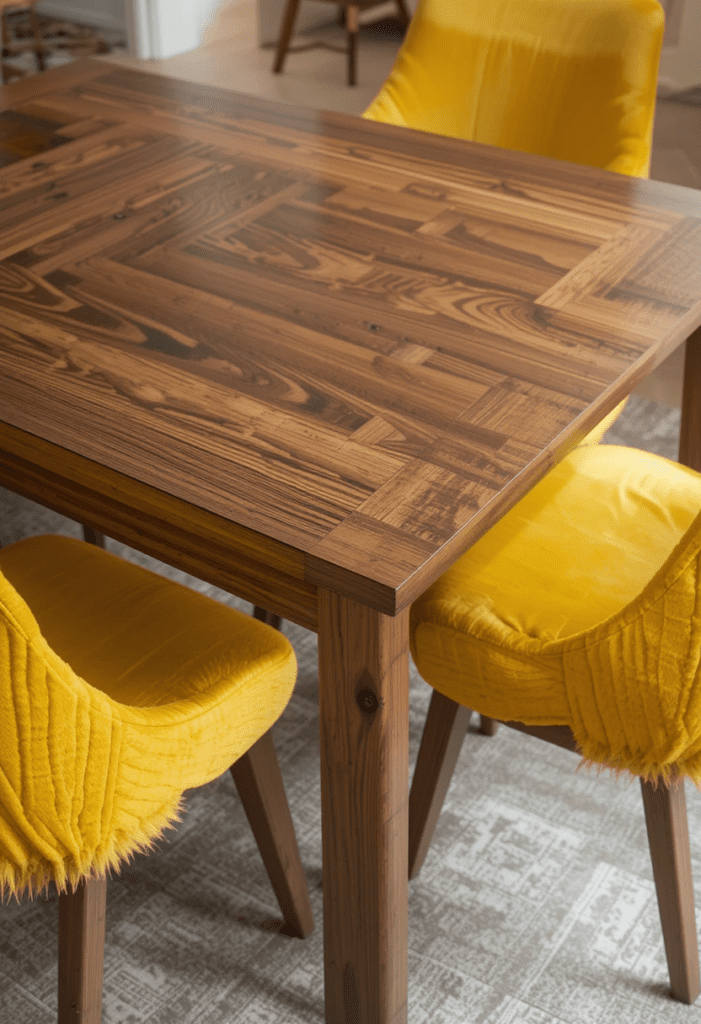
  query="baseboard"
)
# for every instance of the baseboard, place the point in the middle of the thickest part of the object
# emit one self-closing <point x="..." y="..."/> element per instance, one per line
<point x="93" y="17"/>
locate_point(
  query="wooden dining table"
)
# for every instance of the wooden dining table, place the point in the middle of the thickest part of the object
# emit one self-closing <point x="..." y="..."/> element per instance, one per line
<point x="311" y="359"/>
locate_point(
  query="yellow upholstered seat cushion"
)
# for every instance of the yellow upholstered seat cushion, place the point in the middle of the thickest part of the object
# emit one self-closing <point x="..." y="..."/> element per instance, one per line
<point x="119" y="689"/>
<point x="579" y="608"/>
<point x="570" y="79"/>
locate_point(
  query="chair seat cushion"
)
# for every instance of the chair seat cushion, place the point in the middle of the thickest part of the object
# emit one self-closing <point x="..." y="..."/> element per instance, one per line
<point x="119" y="689"/>
<point x="499" y="629"/>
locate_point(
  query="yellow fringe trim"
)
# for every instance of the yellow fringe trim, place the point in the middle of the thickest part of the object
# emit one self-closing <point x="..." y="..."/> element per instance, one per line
<point x="626" y="763"/>
<point x="36" y="877"/>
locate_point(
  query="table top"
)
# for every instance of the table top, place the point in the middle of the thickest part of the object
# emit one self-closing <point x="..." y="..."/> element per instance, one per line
<point x="349" y="346"/>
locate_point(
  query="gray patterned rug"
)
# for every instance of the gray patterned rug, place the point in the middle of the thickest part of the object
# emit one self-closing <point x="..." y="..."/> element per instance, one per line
<point x="535" y="905"/>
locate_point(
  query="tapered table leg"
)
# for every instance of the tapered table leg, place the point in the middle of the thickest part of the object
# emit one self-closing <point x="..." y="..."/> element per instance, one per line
<point x="364" y="724"/>
<point x="690" y="432"/>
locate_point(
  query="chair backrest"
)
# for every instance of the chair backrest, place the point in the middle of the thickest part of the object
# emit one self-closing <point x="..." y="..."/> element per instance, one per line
<point x="634" y="681"/>
<point x="570" y="79"/>
<point x="57" y="754"/>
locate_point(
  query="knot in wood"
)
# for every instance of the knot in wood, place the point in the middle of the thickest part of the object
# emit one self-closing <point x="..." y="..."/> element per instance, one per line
<point x="367" y="701"/>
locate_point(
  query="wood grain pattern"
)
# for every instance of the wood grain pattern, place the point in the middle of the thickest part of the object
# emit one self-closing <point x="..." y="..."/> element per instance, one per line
<point x="261" y="789"/>
<point x="353" y="340"/>
<point x="441" y="742"/>
<point x="81" y="946"/>
<point x="668" y="834"/>
<point x="364" y="731"/>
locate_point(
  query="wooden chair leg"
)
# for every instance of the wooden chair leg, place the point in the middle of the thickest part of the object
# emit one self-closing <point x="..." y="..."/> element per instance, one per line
<point x="5" y="68"/>
<point x="352" y="22"/>
<point x="39" y="48"/>
<point x="404" y="12"/>
<point x="270" y="618"/>
<point x="260" y="786"/>
<point x="444" y="732"/>
<point x="488" y="726"/>
<point x="93" y="537"/>
<point x="668" y="834"/>
<point x="288" y="23"/>
<point x="81" y="947"/>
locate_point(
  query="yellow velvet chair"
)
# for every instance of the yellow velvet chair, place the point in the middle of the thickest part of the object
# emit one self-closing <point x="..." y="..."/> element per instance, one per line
<point x="118" y="691"/>
<point x="577" y="618"/>
<point x="571" y="79"/>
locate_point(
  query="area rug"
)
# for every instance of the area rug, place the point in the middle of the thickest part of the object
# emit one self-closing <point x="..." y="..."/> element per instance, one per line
<point x="535" y="904"/>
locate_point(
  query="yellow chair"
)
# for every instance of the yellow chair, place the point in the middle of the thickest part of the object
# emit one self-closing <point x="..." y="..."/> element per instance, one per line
<point x="570" y="79"/>
<point x="118" y="691"/>
<point x="577" y="618"/>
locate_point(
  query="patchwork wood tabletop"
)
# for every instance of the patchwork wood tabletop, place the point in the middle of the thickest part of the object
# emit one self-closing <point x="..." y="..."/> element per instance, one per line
<point x="310" y="359"/>
<point x="345" y="340"/>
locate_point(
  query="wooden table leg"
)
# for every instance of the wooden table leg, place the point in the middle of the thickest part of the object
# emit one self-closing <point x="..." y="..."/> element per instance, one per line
<point x="364" y="724"/>
<point x="690" y="433"/>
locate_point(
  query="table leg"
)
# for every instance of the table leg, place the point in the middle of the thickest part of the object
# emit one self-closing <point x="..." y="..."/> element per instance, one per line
<point x="690" y="433"/>
<point x="364" y="724"/>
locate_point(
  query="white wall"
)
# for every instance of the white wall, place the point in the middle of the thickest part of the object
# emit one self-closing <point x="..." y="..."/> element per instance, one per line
<point x="164" y="28"/>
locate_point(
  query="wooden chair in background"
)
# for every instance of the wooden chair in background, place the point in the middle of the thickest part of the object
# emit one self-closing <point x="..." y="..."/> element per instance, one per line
<point x="349" y="10"/>
<point x="11" y="47"/>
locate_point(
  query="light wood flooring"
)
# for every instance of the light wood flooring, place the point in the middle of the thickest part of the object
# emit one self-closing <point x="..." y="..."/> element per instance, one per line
<point x="230" y="57"/>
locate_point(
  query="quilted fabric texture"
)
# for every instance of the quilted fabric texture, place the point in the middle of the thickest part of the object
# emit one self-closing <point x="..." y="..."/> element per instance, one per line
<point x="570" y="79"/>
<point x="118" y="690"/>
<point x="581" y="608"/>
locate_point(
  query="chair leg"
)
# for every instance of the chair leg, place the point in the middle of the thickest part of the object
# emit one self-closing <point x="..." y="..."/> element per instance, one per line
<point x="81" y="947"/>
<point x="352" y="22"/>
<point x="444" y="732"/>
<point x="39" y="48"/>
<point x="404" y="12"/>
<point x="488" y="726"/>
<point x="269" y="618"/>
<point x="5" y="40"/>
<point x="260" y="786"/>
<point x="93" y="537"/>
<point x="288" y="23"/>
<point x="668" y="834"/>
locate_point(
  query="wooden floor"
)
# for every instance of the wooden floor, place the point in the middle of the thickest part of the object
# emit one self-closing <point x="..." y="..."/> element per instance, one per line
<point x="231" y="58"/>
